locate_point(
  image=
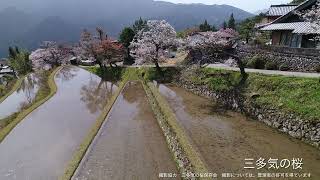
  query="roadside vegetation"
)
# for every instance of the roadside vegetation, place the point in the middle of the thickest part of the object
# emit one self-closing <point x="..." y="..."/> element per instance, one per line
<point x="291" y="94"/>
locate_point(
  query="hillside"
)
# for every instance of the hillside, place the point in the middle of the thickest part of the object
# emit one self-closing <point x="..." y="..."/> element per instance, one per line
<point x="62" y="20"/>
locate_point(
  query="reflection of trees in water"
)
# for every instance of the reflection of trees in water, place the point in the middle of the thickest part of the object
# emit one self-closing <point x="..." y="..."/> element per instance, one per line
<point x="133" y="92"/>
<point x="67" y="73"/>
<point x="96" y="94"/>
<point x="29" y="87"/>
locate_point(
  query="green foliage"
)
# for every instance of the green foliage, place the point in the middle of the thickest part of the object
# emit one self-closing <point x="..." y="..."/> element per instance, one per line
<point x="224" y="25"/>
<point x="262" y="38"/>
<point x="126" y="36"/>
<point x="271" y="66"/>
<point x="151" y="74"/>
<point x="205" y="26"/>
<point x="256" y="62"/>
<point x="246" y="27"/>
<point x="19" y="61"/>
<point x="139" y="25"/>
<point x="232" y="22"/>
<point x="6" y="88"/>
<point x="290" y="94"/>
<point x="284" y="67"/>
<point x="298" y="95"/>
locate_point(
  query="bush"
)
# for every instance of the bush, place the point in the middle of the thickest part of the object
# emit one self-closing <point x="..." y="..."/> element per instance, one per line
<point x="317" y="69"/>
<point x="284" y="67"/>
<point x="271" y="66"/>
<point x="256" y="62"/>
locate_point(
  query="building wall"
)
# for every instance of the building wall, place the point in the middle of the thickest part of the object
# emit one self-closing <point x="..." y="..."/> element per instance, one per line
<point x="296" y="59"/>
<point x="276" y="36"/>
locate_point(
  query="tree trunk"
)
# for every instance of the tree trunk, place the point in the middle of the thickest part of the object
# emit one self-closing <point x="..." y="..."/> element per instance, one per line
<point x="158" y="68"/>
<point x="100" y="64"/>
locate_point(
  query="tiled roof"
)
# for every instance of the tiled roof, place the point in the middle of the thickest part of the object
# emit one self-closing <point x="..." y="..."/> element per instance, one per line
<point x="280" y="10"/>
<point x="296" y="27"/>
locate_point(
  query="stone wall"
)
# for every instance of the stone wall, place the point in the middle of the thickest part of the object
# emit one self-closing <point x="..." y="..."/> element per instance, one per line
<point x="291" y="124"/>
<point x="296" y="59"/>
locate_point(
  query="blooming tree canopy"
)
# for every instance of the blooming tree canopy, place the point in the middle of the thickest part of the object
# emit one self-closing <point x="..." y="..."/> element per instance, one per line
<point x="51" y="55"/>
<point x="313" y="16"/>
<point x="214" y="46"/>
<point x="104" y="50"/>
<point x="153" y="42"/>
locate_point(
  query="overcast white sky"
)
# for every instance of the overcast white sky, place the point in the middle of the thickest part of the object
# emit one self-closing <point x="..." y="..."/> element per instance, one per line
<point x="248" y="5"/>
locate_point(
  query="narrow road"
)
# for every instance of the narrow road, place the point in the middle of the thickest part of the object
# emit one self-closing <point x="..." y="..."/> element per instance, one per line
<point x="225" y="139"/>
<point x="267" y="72"/>
<point x="41" y="146"/>
<point x="130" y="145"/>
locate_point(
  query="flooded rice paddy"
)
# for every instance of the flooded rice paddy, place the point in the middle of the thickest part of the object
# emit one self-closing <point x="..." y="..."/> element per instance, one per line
<point x="23" y="96"/>
<point x="43" y="143"/>
<point x="130" y="144"/>
<point x="226" y="139"/>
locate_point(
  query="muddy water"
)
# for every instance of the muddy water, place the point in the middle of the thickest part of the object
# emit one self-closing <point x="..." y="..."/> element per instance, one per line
<point x="43" y="143"/>
<point x="226" y="139"/>
<point x="130" y="144"/>
<point x="23" y="96"/>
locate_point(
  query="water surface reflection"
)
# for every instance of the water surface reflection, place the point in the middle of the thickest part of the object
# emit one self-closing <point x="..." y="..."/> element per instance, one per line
<point x="43" y="143"/>
<point x="225" y="138"/>
<point x="22" y="97"/>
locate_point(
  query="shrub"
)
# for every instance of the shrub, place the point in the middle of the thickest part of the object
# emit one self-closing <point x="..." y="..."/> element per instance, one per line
<point x="271" y="66"/>
<point x="284" y="67"/>
<point x="317" y="69"/>
<point x="256" y="62"/>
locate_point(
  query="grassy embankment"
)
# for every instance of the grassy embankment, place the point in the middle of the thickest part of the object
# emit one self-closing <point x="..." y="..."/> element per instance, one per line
<point x="124" y="75"/>
<point x="46" y="91"/>
<point x="166" y="116"/>
<point x="13" y="85"/>
<point x="296" y="95"/>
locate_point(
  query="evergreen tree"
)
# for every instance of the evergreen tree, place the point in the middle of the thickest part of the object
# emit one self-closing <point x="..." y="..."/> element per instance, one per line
<point x="126" y="38"/>
<point x="224" y="25"/>
<point x="12" y="52"/>
<point x="19" y="61"/>
<point x="139" y="25"/>
<point x="232" y="22"/>
<point x="213" y="28"/>
<point x="205" y="27"/>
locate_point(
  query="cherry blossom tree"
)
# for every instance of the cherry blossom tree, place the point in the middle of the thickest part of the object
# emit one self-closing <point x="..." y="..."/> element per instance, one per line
<point x="215" y="46"/>
<point x="313" y="16"/>
<point x="51" y="55"/>
<point x="101" y="48"/>
<point x="153" y="42"/>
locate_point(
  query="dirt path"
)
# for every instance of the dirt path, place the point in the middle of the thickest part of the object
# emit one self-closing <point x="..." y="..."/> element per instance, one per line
<point x="130" y="145"/>
<point x="226" y="139"/>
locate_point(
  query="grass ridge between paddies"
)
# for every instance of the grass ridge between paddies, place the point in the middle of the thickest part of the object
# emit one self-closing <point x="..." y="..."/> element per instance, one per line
<point x="43" y="95"/>
<point x="296" y="95"/>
